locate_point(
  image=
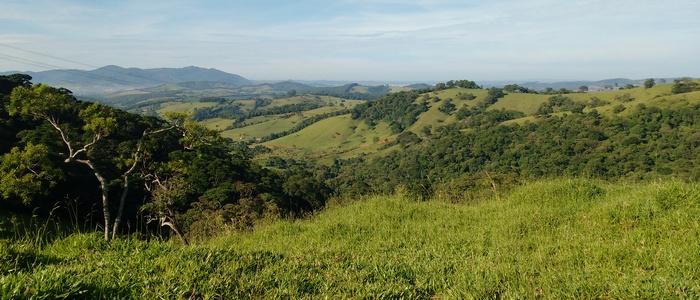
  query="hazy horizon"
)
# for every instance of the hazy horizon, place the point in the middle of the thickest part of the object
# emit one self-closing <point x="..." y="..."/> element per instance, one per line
<point x="351" y="40"/>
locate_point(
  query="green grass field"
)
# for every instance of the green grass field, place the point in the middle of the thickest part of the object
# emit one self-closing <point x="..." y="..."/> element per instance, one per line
<point x="550" y="239"/>
<point x="258" y="130"/>
<point x="183" y="107"/>
<point x="217" y="124"/>
<point x="334" y="137"/>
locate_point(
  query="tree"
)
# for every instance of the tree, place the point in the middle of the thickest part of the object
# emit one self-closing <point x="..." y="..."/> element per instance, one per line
<point x="583" y="89"/>
<point x="684" y="85"/>
<point x="447" y="107"/>
<point x="26" y="173"/>
<point x="167" y="195"/>
<point x="465" y="96"/>
<point x="81" y="128"/>
<point x="49" y="104"/>
<point x="649" y="83"/>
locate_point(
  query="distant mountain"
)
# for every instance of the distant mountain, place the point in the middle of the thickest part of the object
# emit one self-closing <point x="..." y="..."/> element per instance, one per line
<point x="110" y="79"/>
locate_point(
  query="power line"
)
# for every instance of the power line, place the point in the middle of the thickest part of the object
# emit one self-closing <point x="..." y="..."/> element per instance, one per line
<point x="48" y="55"/>
<point x="27" y="61"/>
<point x="84" y="64"/>
<point x="72" y="72"/>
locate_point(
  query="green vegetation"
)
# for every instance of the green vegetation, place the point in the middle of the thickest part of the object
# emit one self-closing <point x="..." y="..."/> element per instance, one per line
<point x="551" y="239"/>
<point x="647" y="143"/>
<point x="399" y="110"/>
<point x="477" y="210"/>
<point x="685" y="86"/>
<point x="334" y="137"/>
<point x="173" y="172"/>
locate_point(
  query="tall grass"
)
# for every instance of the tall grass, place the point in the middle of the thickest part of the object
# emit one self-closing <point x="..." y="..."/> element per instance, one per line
<point x="561" y="238"/>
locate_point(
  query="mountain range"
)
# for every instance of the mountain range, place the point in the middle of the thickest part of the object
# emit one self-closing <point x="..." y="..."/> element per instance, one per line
<point x="114" y="78"/>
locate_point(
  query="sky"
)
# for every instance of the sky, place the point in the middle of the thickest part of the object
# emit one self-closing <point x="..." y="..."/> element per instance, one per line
<point x="360" y="39"/>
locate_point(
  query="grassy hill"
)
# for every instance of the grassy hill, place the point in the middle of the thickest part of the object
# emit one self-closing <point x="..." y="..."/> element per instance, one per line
<point x="321" y="140"/>
<point x="339" y="136"/>
<point x="553" y="239"/>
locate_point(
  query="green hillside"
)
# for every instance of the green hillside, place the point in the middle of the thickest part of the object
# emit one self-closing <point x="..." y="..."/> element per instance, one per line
<point x="336" y="138"/>
<point x="264" y="125"/>
<point x="343" y="137"/>
<point x="550" y="239"/>
<point x="339" y="136"/>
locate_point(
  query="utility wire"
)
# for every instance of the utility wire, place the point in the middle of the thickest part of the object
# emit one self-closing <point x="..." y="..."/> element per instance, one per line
<point x="50" y="66"/>
<point x="48" y="55"/>
<point x="84" y="74"/>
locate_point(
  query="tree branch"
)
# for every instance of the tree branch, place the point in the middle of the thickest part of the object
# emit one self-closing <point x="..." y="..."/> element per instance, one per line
<point x="55" y="125"/>
<point x="96" y="138"/>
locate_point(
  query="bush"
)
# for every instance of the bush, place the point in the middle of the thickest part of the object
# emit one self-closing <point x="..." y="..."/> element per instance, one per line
<point x="619" y="108"/>
<point x="684" y="86"/>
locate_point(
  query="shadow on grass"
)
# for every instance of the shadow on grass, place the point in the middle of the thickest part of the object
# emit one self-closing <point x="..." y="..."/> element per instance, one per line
<point x="15" y="259"/>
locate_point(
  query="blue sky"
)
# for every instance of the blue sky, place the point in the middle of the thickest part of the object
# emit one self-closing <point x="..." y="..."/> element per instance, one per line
<point x="361" y="39"/>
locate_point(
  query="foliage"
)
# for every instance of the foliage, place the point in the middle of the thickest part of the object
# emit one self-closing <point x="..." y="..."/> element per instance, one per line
<point x="160" y="169"/>
<point x="27" y="173"/>
<point x="465" y="96"/>
<point x="560" y="103"/>
<point x="492" y="97"/>
<point x="398" y="109"/>
<point x="447" y="107"/>
<point x="646" y="143"/>
<point x="649" y="83"/>
<point x="597" y="102"/>
<point x="514" y="88"/>
<point x="465" y="84"/>
<point x="684" y="85"/>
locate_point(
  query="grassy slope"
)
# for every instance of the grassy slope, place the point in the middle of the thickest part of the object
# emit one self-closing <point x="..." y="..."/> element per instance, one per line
<point x="338" y="136"/>
<point x="183" y="107"/>
<point x="265" y="125"/>
<point x="217" y="123"/>
<point x="556" y="239"/>
<point x="434" y="117"/>
<point x="278" y="124"/>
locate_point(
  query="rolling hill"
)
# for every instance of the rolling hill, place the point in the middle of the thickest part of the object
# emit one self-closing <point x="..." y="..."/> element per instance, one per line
<point x="343" y="137"/>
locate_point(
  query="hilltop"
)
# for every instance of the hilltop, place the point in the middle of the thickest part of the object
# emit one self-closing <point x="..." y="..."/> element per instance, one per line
<point x="553" y="239"/>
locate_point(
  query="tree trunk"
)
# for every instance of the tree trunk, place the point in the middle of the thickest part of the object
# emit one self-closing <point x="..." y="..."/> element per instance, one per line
<point x="120" y="210"/>
<point x="174" y="228"/>
<point x="105" y="195"/>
